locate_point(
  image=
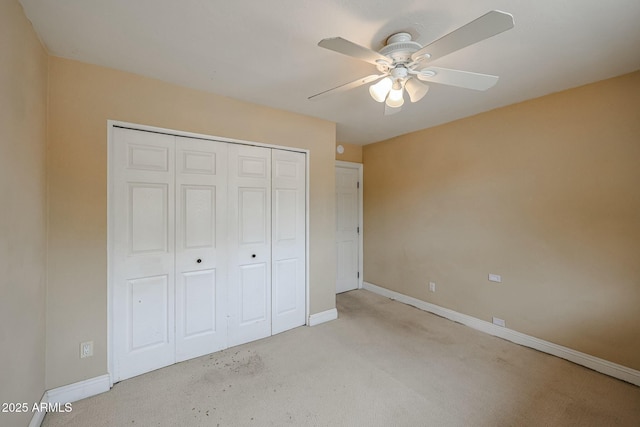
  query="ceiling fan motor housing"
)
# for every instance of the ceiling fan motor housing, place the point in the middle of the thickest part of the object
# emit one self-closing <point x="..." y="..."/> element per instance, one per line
<point x="399" y="48"/>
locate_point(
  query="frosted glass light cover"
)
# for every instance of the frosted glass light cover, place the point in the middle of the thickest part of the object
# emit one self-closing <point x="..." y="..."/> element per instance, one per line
<point x="380" y="90"/>
<point x="395" y="99"/>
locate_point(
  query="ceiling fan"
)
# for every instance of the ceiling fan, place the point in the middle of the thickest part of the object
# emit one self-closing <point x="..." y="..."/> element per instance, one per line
<point x="403" y="64"/>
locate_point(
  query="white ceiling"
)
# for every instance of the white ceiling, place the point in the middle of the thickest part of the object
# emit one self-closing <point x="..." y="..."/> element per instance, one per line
<point x="266" y="52"/>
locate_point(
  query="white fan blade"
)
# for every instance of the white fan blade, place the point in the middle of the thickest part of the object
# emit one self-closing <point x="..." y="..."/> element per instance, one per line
<point x="415" y="89"/>
<point x="345" y="47"/>
<point x="347" y="86"/>
<point x="486" y="26"/>
<point x="390" y="110"/>
<point x="465" y="79"/>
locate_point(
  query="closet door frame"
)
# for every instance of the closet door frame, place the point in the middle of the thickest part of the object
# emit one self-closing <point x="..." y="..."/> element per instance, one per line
<point x="111" y="125"/>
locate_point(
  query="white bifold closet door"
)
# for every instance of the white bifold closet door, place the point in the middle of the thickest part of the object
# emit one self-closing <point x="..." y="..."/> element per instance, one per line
<point x="289" y="240"/>
<point x="208" y="247"/>
<point x="143" y="260"/>
<point x="267" y="245"/>
<point x="249" y="243"/>
<point x="201" y="248"/>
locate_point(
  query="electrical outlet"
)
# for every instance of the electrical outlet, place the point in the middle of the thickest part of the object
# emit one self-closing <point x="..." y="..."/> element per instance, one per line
<point x="499" y="322"/>
<point x="495" y="278"/>
<point x="432" y="286"/>
<point x="86" y="349"/>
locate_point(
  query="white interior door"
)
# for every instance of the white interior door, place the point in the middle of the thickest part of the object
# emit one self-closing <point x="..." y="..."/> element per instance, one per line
<point x="201" y="247"/>
<point x="347" y="229"/>
<point x="249" y="243"/>
<point x="143" y="252"/>
<point x="289" y="237"/>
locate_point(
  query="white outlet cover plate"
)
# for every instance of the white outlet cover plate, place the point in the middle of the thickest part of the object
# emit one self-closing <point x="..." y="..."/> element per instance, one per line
<point x="86" y="349"/>
<point x="499" y="322"/>
<point x="495" y="278"/>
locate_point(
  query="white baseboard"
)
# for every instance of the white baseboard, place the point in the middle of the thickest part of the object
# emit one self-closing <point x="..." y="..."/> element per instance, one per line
<point x="323" y="316"/>
<point x="603" y="366"/>
<point x="38" y="416"/>
<point x="71" y="393"/>
<point x="80" y="390"/>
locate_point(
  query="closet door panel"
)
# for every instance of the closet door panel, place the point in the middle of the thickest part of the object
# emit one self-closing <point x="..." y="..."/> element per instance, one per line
<point x="289" y="240"/>
<point x="201" y="248"/>
<point x="249" y="243"/>
<point x="142" y="251"/>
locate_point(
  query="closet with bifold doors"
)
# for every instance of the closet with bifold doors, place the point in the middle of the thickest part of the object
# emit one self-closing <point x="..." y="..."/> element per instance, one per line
<point x="207" y="246"/>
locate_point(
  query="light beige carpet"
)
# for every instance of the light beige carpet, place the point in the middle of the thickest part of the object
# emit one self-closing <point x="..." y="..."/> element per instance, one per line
<point x="382" y="363"/>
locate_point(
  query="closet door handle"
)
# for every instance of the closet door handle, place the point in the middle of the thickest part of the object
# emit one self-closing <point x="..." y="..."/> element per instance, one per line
<point x="198" y="260"/>
<point x="253" y="256"/>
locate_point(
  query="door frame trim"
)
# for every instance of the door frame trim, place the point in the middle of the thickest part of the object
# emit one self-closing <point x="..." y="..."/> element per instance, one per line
<point x="111" y="124"/>
<point x="359" y="167"/>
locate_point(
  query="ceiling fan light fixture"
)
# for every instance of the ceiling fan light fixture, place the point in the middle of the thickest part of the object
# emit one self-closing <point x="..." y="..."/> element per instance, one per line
<point x="395" y="98"/>
<point x="401" y="62"/>
<point x="415" y="89"/>
<point x="380" y="90"/>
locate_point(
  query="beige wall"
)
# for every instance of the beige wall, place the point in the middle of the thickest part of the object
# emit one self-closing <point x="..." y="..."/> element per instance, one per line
<point x="352" y="153"/>
<point x="545" y="193"/>
<point x="23" y="95"/>
<point x="82" y="98"/>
